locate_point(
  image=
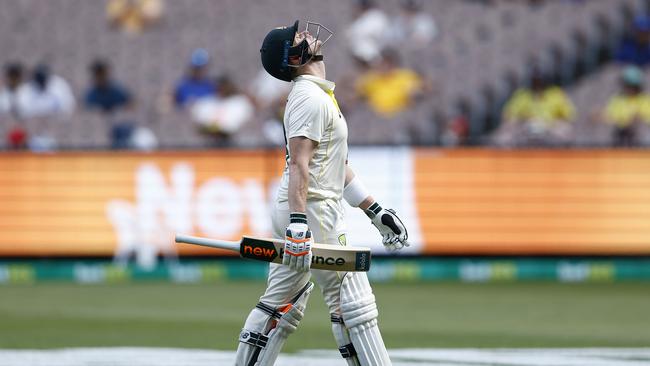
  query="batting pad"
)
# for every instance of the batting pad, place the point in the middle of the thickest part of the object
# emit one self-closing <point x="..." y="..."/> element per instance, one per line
<point x="267" y="329"/>
<point x="359" y="313"/>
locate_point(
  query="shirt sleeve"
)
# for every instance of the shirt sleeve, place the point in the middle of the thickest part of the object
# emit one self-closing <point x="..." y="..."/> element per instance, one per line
<point x="644" y="109"/>
<point x="413" y="81"/>
<point x="564" y="109"/>
<point x="124" y="95"/>
<point x="306" y="117"/>
<point x="89" y="99"/>
<point x="64" y="93"/>
<point x="515" y="107"/>
<point x="610" y="110"/>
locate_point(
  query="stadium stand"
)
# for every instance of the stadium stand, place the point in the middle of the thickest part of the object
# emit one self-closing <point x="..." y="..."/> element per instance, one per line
<point x="591" y="96"/>
<point x="483" y="51"/>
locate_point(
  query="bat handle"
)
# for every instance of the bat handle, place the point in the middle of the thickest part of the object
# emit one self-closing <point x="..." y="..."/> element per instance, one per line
<point x="213" y="243"/>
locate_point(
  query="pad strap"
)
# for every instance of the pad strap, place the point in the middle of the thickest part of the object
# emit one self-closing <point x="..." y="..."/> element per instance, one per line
<point x="336" y="319"/>
<point x="255" y="339"/>
<point x="269" y="310"/>
<point x="348" y="351"/>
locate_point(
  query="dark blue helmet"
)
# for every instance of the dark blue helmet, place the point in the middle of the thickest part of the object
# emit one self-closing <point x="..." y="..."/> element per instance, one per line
<point x="277" y="49"/>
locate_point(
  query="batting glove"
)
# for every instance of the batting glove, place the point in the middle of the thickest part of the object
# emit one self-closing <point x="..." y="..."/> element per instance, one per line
<point x="297" y="243"/>
<point x="393" y="232"/>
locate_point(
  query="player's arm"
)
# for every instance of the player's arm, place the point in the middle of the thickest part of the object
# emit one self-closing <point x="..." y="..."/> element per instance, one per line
<point x="298" y="239"/>
<point x="393" y="232"/>
<point x="302" y="150"/>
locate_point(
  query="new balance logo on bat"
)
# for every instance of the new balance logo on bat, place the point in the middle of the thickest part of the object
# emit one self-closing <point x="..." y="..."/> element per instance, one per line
<point x="266" y="251"/>
<point x="258" y="249"/>
<point x="258" y="252"/>
<point x="327" y="260"/>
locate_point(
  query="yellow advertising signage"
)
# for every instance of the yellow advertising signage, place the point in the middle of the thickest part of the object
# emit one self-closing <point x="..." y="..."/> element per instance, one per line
<point x="593" y="202"/>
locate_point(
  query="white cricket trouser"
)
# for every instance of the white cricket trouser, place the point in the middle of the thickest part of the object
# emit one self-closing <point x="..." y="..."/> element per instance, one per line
<point x="325" y="220"/>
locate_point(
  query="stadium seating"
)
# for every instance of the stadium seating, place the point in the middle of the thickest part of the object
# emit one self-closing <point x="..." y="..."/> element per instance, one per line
<point x="477" y="48"/>
<point x="591" y="96"/>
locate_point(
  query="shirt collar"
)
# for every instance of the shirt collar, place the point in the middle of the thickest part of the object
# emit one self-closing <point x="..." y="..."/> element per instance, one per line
<point x="326" y="85"/>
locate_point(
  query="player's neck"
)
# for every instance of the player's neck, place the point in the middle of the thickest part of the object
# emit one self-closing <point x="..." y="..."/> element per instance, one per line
<point x="316" y="68"/>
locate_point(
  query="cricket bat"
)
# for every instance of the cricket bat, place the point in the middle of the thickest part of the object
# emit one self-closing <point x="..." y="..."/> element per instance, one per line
<point x="324" y="256"/>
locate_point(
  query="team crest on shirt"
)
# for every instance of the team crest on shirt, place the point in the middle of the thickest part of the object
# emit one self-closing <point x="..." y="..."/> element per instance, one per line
<point x="342" y="240"/>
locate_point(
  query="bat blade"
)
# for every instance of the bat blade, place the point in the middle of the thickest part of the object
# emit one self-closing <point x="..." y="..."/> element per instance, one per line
<point x="324" y="256"/>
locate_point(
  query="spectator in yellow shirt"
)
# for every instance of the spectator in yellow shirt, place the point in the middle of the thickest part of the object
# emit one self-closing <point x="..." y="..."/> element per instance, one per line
<point x="389" y="88"/>
<point x="541" y="114"/>
<point x="133" y="16"/>
<point x="630" y="109"/>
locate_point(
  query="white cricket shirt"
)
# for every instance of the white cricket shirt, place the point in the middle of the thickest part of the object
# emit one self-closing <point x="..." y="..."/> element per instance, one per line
<point x="312" y="112"/>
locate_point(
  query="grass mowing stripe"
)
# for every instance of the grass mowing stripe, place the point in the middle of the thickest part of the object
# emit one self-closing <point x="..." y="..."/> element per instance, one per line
<point x="411" y="315"/>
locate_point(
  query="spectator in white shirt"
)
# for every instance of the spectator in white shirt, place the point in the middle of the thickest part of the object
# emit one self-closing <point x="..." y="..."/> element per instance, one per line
<point x="222" y="116"/>
<point x="266" y="90"/>
<point x="366" y="34"/>
<point x="46" y="95"/>
<point x="269" y="96"/>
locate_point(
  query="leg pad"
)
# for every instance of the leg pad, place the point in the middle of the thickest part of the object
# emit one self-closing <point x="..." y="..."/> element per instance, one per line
<point x="359" y="317"/>
<point x="267" y="328"/>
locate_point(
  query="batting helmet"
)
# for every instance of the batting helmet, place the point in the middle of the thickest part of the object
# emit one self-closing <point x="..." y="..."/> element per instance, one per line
<point x="277" y="49"/>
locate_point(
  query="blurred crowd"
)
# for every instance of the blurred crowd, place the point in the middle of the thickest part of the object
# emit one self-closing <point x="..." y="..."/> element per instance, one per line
<point x="543" y="113"/>
<point x="46" y="101"/>
<point x="539" y="112"/>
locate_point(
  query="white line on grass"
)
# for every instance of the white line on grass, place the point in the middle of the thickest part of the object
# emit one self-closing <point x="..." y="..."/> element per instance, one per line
<point x="400" y="357"/>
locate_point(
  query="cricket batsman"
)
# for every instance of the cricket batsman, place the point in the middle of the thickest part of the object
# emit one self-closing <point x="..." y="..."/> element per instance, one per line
<point x="309" y="209"/>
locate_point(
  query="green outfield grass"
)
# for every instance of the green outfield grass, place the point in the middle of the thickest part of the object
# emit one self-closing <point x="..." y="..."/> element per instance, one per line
<point x="411" y="315"/>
